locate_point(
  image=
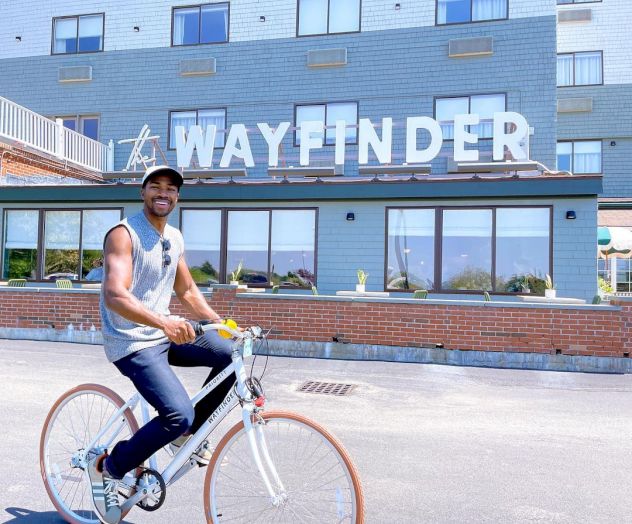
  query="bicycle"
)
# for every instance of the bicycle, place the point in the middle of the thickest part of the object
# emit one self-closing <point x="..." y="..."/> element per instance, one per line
<point x="270" y="466"/>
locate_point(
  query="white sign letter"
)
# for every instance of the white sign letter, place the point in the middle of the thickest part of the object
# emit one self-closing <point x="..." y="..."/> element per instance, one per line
<point x="382" y="148"/>
<point x="274" y="139"/>
<point x="203" y="142"/>
<point x="341" y="142"/>
<point x="511" y="140"/>
<point x="461" y="136"/>
<point x="237" y="134"/>
<point x="413" y="123"/>
<point x="307" y="141"/>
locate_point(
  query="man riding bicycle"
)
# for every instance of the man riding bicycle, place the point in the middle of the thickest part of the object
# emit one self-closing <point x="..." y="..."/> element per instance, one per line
<point x="143" y="264"/>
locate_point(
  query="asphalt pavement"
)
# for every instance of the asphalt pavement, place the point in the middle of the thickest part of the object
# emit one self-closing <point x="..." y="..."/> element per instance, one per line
<point x="432" y="443"/>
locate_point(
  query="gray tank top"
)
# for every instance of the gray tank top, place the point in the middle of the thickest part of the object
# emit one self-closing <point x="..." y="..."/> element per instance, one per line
<point x="152" y="285"/>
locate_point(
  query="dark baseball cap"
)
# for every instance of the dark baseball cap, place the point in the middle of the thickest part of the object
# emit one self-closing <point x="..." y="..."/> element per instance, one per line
<point x="163" y="170"/>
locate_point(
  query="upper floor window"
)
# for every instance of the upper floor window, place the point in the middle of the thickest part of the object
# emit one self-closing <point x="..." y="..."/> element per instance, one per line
<point x="330" y="114"/>
<point x="200" y="117"/>
<point x="483" y="105"/>
<point x="87" y="125"/>
<point x="78" y="34"/>
<point x="579" y="69"/>
<point x="581" y="156"/>
<point x="563" y="2"/>
<point x="200" y="24"/>
<point x="462" y="11"/>
<point x="323" y="17"/>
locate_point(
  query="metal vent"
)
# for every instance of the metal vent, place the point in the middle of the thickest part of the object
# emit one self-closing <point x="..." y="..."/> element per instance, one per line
<point x="574" y="105"/>
<point x="327" y="388"/>
<point x="575" y="15"/>
<point x="326" y="57"/>
<point x="75" y="74"/>
<point x="198" y="66"/>
<point x="477" y="46"/>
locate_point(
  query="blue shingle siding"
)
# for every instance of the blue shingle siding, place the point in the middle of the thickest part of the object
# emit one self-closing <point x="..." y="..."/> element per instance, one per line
<point x="391" y="73"/>
<point x="610" y="120"/>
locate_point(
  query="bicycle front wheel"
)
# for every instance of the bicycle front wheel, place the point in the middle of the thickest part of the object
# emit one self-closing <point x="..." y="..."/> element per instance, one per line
<point x="72" y="423"/>
<point x="318" y="481"/>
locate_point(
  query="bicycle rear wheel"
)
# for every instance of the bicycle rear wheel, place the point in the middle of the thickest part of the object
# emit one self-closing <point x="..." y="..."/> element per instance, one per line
<point x="71" y="424"/>
<point x="321" y="483"/>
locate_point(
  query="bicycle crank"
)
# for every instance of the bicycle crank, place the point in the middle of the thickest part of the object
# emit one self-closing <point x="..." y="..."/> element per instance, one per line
<point x="151" y="484"/>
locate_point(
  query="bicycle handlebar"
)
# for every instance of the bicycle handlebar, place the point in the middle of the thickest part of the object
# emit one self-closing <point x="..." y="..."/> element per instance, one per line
<point x="202" y="326"/>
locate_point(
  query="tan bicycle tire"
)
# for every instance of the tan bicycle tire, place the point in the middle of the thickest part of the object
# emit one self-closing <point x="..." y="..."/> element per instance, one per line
<point x="344" y="455"/>
<point x="102" y="390"/>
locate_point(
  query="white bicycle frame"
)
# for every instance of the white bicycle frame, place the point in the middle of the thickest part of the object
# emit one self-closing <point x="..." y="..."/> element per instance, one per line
<point x="254" y="432"/>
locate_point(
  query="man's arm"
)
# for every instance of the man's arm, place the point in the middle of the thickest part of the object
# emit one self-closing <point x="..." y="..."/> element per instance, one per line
<point x="117" y="279"/>
<point x="190" y="296"/>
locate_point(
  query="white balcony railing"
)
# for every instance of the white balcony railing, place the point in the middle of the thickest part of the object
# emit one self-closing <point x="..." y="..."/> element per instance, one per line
<point x="43" y="134"/>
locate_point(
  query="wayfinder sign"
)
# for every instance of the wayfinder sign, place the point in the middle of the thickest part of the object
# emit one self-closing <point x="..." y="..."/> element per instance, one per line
<point x="311" y="138"/>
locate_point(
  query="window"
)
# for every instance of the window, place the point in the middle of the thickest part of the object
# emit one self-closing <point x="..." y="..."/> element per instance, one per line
<point x="201" y="24"/>
<point x="483" y="105"/>
<point x="503" y="249"/>
<point x="321" y="17"/>
<point x="579" y="157"/>
<point x="563" y="2"/>
<point x="86" y="125"/>
<point x="272" y="246"/>
<point x="462" y="11"/>
<point x="200" y="117"/>
<point x="411" y="238"/>
<point x="70" y="244"/>
<point x="579" y="69"/>
<point x="21" y="228"/>
<point x="78" y="34"/>
<point x="329" y="113"/>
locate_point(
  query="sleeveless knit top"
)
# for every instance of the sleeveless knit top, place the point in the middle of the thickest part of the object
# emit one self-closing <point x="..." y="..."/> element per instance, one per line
<point x="152" y="285"/>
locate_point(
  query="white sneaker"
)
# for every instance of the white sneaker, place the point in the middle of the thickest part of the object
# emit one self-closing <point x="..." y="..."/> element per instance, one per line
<point x="104" y="491"/>
<point x="202" y="454"/>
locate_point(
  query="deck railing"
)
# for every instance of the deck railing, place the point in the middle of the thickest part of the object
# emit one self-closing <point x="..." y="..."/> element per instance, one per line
<point x="22" y="125"/>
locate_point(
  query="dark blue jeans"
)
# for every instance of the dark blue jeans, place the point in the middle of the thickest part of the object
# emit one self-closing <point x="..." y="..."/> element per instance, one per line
<point x="150" y="371"/>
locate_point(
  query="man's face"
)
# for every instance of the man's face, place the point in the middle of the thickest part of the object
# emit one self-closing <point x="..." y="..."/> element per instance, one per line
<point x="160" y="195"/>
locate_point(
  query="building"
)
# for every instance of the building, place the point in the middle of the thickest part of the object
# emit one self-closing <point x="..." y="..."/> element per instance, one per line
<point x="108" y="68"/>
<point x="594" y="109"/>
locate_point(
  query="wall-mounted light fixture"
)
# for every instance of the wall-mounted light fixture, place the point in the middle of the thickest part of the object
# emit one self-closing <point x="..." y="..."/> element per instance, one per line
<point x="350" y="217"/>
<point x="571" y="215"/>
<point x="262" y="18"/>
<point x="398" y="6"/>
<point x="136" y="29"/>
<point x="18" y="38"/>
<point x="612" y="143"/>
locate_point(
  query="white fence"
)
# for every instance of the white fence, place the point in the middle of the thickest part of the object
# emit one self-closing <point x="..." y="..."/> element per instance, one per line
<point x="43" y="134"/>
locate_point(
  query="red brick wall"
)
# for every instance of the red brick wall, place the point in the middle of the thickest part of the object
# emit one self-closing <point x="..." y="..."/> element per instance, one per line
<point x="592" y="332"/>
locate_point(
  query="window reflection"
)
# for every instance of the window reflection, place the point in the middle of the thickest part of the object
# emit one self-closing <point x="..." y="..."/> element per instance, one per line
<point x="96" y="223"/>
<point x="248" y="245"/>
<point x="61" y="245"/>
<point x="410" y="249"/>
<point x="201" y="230"/>
<point x="292" y="257"/>
<point x="20" y="245"/>
<point x="467" y="249"/>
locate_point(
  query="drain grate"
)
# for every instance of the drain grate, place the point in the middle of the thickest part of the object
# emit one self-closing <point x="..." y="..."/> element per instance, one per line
<point x="327" y="388"/>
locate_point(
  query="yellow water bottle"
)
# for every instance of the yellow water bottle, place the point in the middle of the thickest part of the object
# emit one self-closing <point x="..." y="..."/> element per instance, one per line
<point x="228" y="322"/>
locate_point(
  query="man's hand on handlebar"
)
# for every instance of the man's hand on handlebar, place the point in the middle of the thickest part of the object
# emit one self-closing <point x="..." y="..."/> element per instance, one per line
<point x="178" y="330"/>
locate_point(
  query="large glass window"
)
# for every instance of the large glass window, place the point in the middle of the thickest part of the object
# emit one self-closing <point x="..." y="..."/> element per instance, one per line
<point x="95" y="224"/>
<point x="200" y="117"/>
<point x="248" y="245"/>
<point x="71" y="243"/>
<point x="466" y="256"/>
<point x="582" y="156"/>
<point x="21" y="231"/>
<point x="483" y="105"/>
<point x="201" y="229"/>
<point x="329" y="114"/>
<point x="462" y="11"/>
<point x="579" y="69"/>
<point x="292" y="249"/>
<point x="320" y="17"/>
<point x="61" y="244"/>
<point x="411" y="257"/>
<point x="202" y="24"/>
<point x="78" y="34"/>
<point x="522" y="248"/>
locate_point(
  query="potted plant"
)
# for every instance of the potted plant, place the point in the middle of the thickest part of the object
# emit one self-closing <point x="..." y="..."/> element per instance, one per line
<point x="361" y="285"/>
<point x="524" y="284"/>
<point x="549" y="292"/>
<point x="234" y="275"/>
